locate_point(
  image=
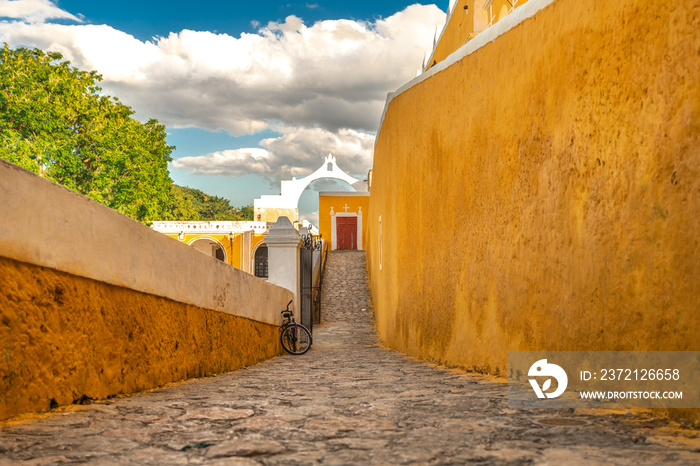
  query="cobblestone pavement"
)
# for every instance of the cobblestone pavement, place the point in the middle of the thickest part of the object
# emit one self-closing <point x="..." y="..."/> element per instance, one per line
<point x="347" y="401"/>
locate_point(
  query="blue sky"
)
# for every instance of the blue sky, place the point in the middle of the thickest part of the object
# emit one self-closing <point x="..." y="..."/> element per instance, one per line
<point x="250" y="92"/>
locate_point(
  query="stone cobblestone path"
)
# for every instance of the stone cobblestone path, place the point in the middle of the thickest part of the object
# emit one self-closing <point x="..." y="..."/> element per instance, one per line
<point x="347" y="401"/>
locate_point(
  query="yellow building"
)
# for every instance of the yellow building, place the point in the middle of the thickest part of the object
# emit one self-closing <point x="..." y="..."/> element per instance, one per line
<point x="240" y="244"/>
<point x="341" y="219"/>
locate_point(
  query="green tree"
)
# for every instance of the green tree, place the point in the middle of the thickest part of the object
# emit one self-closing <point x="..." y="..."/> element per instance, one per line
<point x="55" y="122"/>
<point x="247" y="212"/>
<point x="181" y="206"/>
<point x="206" y="207"/>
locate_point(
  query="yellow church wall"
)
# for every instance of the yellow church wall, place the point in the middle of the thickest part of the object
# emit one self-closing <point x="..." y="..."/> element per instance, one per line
<point x="545" y="191"/>
<point x="463" y="25"/>
<point x="355" y="203"/>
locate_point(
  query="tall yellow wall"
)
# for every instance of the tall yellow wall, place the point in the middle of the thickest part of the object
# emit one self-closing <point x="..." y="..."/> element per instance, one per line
<point x="545" y="191"/>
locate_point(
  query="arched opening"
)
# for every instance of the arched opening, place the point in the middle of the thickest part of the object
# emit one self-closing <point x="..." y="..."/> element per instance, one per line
<point x="210" y="247"/>
<point x="329" y="167"/>
<point x="308" y="201"/>
<point x="260" y="268"/>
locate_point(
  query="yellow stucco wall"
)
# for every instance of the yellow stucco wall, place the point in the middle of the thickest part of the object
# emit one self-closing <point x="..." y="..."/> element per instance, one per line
<point x="355" y="204"/>
<point x="64" y="336"/>
<point x="545" y="190"/>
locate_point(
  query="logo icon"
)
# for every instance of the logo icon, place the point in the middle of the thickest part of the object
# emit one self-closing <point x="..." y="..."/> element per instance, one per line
<point x="543" y="369"/>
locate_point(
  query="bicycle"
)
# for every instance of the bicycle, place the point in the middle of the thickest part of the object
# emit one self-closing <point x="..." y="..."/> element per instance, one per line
<point x="295" y="338"/>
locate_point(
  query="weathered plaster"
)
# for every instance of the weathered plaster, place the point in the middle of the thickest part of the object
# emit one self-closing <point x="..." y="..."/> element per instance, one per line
<point x="559" y="190"/>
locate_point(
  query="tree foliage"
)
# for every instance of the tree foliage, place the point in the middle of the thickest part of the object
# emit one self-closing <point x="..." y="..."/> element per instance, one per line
<point x="193" y="204"/>
<point x="55" y="122"/>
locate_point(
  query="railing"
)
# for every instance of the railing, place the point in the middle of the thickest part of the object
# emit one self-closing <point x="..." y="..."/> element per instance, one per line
<point x="311" y="278"/>
<point x="309" y="246"/>
<point x="319" y="287"/>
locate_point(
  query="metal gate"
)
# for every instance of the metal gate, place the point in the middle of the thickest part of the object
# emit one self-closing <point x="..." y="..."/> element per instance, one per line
<point x="306" y="285"/>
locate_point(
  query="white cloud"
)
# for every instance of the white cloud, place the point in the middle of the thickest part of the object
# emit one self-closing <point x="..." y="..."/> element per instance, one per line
<point x="33" y="11"/>
<point x="297" y="152"/>
<point x="332" y="74"/>
<point x="321" y="86"/>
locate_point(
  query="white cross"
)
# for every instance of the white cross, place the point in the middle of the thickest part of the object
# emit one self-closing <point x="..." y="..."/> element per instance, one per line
<point x="346" y="208"/>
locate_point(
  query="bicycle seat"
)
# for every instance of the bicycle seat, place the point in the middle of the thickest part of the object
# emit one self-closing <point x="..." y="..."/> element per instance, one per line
<point x="286" y="313"/>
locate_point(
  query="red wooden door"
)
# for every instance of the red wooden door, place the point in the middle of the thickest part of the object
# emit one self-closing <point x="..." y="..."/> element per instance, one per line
<point x="346" y="229"/>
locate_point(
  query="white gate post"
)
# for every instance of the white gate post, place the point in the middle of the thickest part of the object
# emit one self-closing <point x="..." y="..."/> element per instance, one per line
<point x="283" y="244"/>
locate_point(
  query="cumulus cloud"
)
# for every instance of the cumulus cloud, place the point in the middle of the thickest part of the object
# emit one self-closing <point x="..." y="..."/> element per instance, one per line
<point x="33" y="11"/>
<point x="297" y="152"/>
<point x="332" y="74"/>
<point x="322" y="86"/>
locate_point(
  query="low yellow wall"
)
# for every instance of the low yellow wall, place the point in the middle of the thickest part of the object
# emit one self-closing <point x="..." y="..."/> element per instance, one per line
<point x="95" y="304"/>
<point x="46" y="224"/>
<point x="542" y="193"/>
<point x="64" y="337"/>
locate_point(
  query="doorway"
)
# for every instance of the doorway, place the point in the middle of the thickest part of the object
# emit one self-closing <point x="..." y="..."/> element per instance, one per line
<point x="346" y="229"/>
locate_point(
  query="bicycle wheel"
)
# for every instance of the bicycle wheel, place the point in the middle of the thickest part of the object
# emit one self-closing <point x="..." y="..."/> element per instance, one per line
<point x="295" y="339"/>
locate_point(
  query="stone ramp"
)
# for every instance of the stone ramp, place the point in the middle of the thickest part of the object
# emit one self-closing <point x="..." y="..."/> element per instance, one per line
<point x="347" y="401"/>
<point x="346" y="304"/>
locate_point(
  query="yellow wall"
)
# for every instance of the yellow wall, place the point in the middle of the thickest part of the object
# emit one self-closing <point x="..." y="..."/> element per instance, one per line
<point x="464" y="25"/>
<point x="65" y="336"/>
<point x="355" y="203"/>
<point x="545" y="191"/>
